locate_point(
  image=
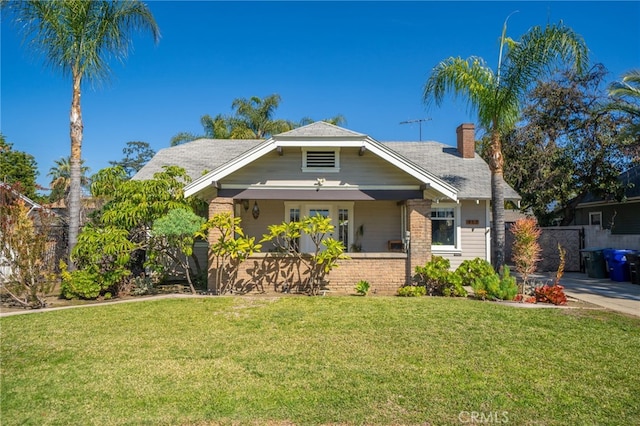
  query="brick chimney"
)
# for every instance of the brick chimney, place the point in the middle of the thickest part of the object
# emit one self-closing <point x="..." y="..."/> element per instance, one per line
<point x="466" y="140"/>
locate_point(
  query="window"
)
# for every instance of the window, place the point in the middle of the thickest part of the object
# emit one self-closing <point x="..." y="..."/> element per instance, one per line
<point x="595" y="218"/>
<point x="343" y="227"/>
<point x="294" y="216"/>
<point x="325" y="160"/>
<point x="444" y="228"/>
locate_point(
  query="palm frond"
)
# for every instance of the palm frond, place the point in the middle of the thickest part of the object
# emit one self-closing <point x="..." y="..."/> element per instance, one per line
<point x="541" y="50"/>
<point x="80" y="37"/>
<point x="628" y="87"/>
<point x="181" y="138"/>
<point x="468" y="78"/>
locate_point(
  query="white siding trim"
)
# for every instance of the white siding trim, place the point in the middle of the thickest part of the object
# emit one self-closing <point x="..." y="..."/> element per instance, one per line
<point x="487" y="231"/>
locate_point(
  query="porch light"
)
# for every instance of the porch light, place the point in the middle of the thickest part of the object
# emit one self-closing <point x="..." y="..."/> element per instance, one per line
<point x="256" y="210"/>
<point x="245" y="205"/>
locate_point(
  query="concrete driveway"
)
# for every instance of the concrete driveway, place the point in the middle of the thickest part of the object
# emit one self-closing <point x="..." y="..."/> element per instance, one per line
<point x="618" y="296"/>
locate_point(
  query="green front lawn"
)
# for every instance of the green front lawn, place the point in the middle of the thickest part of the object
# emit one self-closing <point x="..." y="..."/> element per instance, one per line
<point x="319" y="360"/>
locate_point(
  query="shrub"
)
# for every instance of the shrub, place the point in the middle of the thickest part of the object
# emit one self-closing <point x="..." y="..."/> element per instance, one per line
<point x="103" y="254"/>
<point x="174" y="235"/>
<point x="438" y="280"/>
<point x="143" y="285"/>
<point x="496" y="287"/>
<point x="471" y="270"/>
<point x="229" y="249"/>
<point x="326" y="251"/>
<point x="27" y="251"/>
<point x="551" y="294"/>
<point x="560" y="272"/>
<point x="526" y="250"/>
<point x="411" y="291"/>
<point x="79" y="284"/>
<point x="362" y="287"/>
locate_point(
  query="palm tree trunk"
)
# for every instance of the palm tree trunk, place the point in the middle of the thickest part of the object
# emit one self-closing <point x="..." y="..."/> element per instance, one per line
<point x="76" y="131"/>
<point x="497" y="201"/>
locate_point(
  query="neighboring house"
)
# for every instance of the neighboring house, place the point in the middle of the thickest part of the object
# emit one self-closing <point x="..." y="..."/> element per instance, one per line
<point x="9" y="196"/>
<point x="611" y="223"/>
<point x="393" y="204"/>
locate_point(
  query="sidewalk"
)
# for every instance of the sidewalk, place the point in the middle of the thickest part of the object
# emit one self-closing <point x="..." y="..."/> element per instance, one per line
<point x="618" y="296"/>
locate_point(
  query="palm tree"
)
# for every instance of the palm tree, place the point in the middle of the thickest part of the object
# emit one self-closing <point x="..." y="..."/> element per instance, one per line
<point x="61" y="178"/>
<point x="626" y="95"/>
<point x="80" y="37"/>
<point x="497" y="95"/>
<point x="214" y="128"/>
<point x="254" y="118"/>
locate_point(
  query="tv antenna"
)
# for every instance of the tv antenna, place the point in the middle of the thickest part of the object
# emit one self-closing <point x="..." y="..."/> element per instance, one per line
<point x="420" y="121"/>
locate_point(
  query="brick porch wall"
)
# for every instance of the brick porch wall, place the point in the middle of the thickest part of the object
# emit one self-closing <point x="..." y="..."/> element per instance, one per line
<point x="272" y="273"/>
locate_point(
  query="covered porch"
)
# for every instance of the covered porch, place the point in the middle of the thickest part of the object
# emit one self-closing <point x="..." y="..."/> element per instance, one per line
<point x="385" y="237"/>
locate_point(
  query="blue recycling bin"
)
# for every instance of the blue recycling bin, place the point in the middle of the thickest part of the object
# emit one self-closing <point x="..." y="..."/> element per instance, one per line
<point x="617" y="264"/>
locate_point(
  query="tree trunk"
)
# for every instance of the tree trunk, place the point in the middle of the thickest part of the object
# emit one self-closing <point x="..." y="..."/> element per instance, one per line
<point x="497" y="201"/>
<point x="76" y="131"/>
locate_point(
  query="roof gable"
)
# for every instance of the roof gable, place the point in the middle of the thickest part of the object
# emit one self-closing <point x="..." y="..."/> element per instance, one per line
<point x="439" y="167"/>
<point x="325" y="135"/>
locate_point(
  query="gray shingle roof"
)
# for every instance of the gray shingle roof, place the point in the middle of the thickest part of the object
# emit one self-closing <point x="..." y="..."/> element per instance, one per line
<point x="470" y="176"/>
<point x="319" y="129"/>
<point x="630" y="181"/>
<point x="197" y="157"/>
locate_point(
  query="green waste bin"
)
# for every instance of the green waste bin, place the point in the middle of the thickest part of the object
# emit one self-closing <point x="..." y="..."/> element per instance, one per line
<point x="594" y="262"/>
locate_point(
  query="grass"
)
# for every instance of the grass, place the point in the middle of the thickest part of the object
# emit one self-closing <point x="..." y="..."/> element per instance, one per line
<point x="319" y="360"/>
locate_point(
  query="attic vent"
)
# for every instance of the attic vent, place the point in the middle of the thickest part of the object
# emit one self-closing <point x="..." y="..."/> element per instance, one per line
<point x="321" y="159"/>
<point x="315" y="160"/>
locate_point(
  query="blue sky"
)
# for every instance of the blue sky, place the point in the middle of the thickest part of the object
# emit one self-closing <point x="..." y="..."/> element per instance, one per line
<point x="365" y="60"/>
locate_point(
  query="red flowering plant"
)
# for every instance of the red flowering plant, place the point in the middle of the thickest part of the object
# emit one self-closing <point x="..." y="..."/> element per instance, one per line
<point x="551" y="294"/>
<point x="523" y="298"/>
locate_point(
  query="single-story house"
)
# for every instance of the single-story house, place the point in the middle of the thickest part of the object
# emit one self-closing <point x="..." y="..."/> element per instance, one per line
<point x="393" y="204"/>
<point x="620" y="217"/>
<point x="9" y="196"/>
<point x="607" y="222"/>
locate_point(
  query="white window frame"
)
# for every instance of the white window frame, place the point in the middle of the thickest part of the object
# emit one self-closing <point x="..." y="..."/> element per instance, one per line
<point x="332" y="206"/>
<point x="335" y="169"/>
<point x="592" y="215"/>
<point x="457" y="247"/>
